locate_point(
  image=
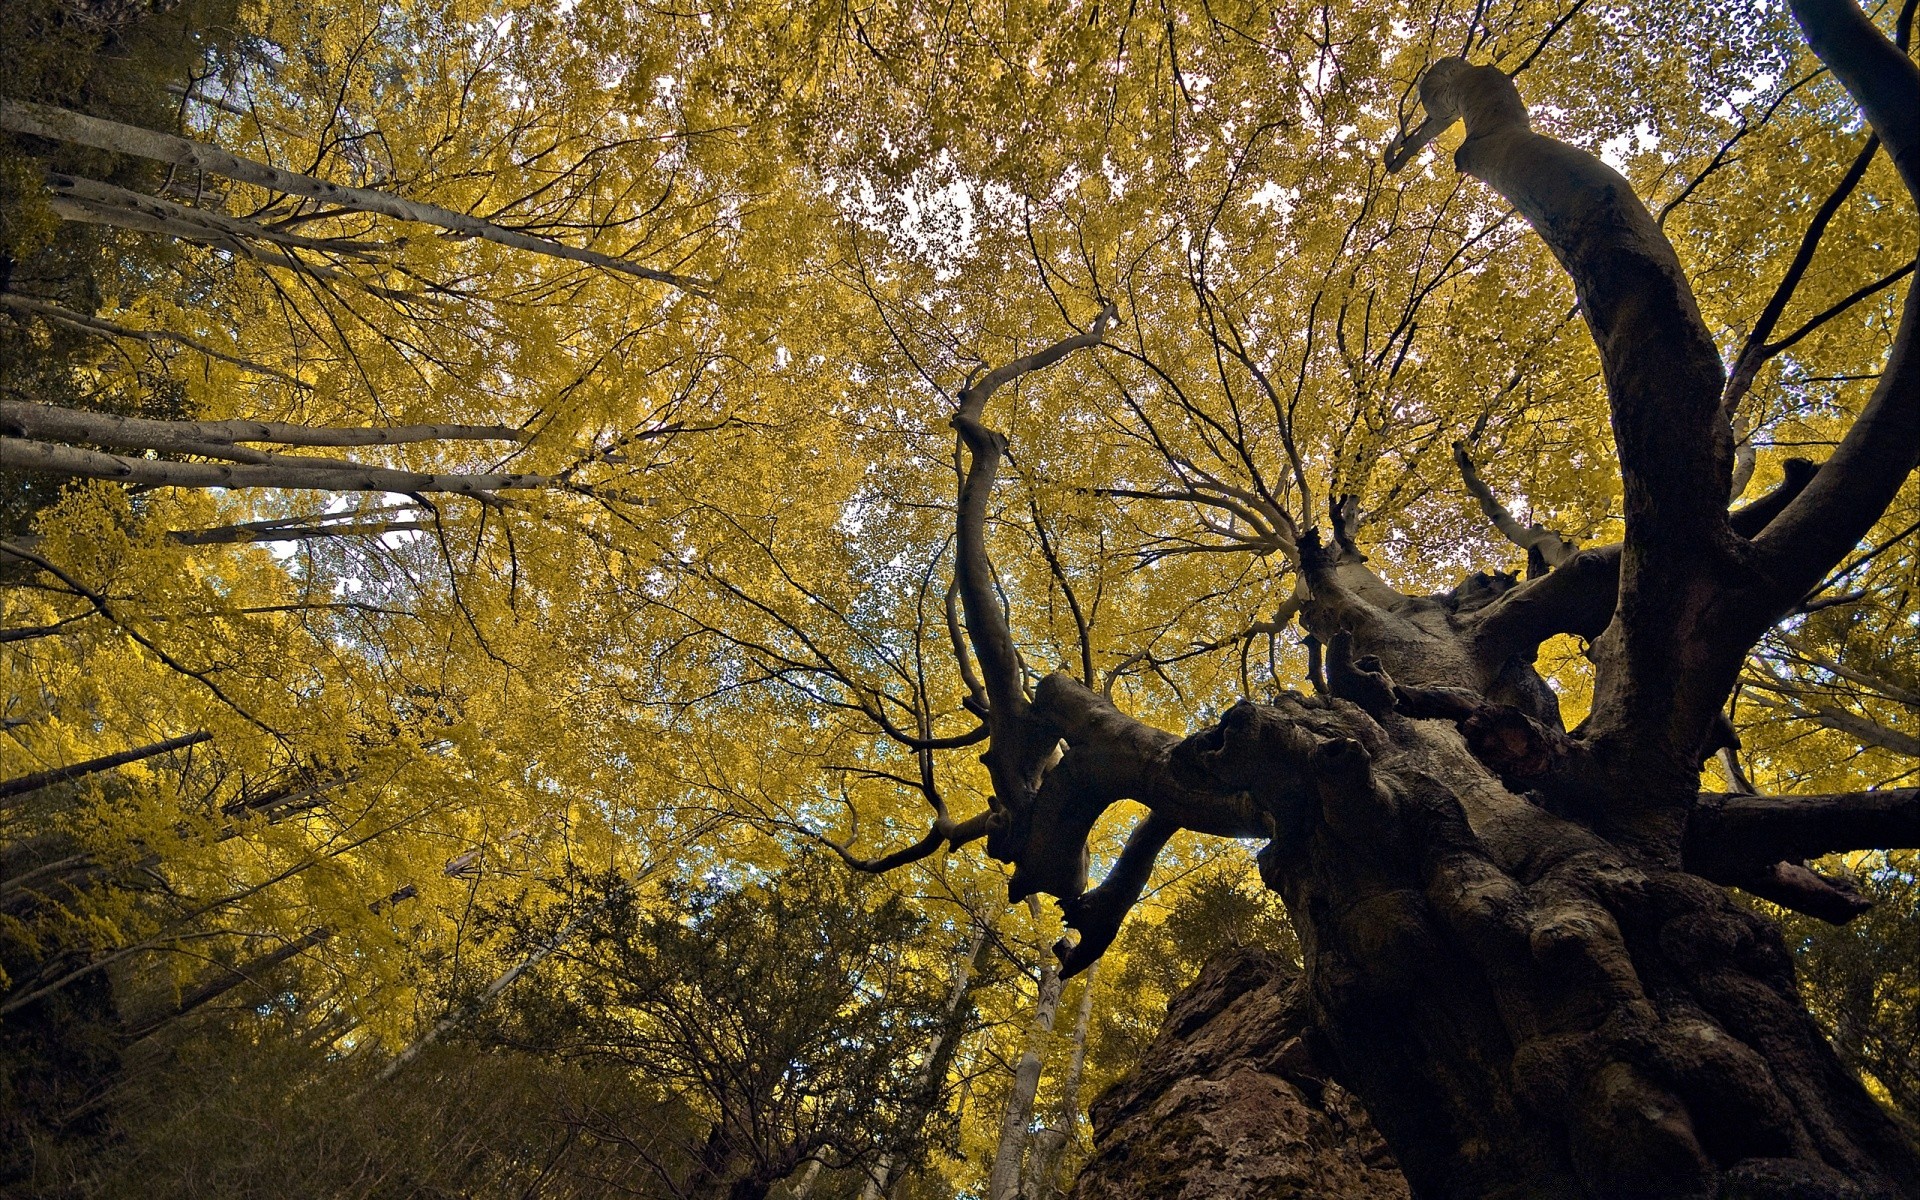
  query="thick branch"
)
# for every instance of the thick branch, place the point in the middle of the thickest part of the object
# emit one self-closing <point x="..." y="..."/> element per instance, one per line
<point x="104" y="202"/>
<point x="1729" y="833"/>
<point x="1878" y="74"/>
<point x="1667" y="658"/>
<point x="1796" y="887"/>
<point x="1019" y="748"/>
<point x="1096" y="915"/>
<point x="1663" y="372"/>
<point x="987" y="627"/>
<point x="1883" y="447"/>
<point x="43" y="779"/>
<point x="1866" y="730"/>
<point x="1579" y="597"/>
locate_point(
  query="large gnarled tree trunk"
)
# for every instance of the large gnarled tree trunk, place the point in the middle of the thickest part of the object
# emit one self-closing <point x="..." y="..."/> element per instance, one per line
<point x="1521" y="953"/>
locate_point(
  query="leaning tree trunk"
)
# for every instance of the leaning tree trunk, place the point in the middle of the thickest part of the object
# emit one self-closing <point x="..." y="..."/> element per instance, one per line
<point x="1017" y="1118"/>
<point x="1520" y="951"/>
<point x="1051" y="1142"/>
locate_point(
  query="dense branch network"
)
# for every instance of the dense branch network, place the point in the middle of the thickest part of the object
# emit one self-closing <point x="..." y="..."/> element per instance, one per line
<point x="1671" y="612"/>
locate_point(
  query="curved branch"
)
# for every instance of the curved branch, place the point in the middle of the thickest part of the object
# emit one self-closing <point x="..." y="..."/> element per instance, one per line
<point x="987" y="627"/>
<point x="1096" y="915"/>
<point x="1579" y="597"/>
<point x="1883" y="447"/>
<point x="945" y="832"/>
<point x="1545" y="548"/>
<point x="1663" y="372"/>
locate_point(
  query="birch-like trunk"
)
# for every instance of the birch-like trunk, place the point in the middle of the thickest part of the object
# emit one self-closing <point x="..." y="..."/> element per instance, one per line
<point x="1050" y="1143"/>
<point x="939" y="1054"/>
<point x="1004" y="1183"/>
<point x="803" y="1186"/>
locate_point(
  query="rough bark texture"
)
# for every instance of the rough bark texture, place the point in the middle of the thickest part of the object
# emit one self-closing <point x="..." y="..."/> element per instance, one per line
<point x="1228" y="1105"/>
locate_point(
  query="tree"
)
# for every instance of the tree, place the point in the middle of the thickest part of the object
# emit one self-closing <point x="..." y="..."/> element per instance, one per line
<point x="1518" y="953"/>
<point x="1861" y="979"/>
<point x="1218" y="322"/>
<point x="780" y="1012"/>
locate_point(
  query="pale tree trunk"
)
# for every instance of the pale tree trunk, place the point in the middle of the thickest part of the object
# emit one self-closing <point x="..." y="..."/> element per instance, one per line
<point x="44" y="121"/>
<point x="285" y="471"/>
<point x="803" y="1186"/>
<point x="1016" y="1122"/>
<point x="939" y="1055"/>
<point x="51" y="423"/>
<point x="1050" y="1143"/>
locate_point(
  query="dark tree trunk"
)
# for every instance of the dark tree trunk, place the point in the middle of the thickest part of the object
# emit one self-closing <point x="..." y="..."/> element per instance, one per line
<point x="1527" y="1008"/>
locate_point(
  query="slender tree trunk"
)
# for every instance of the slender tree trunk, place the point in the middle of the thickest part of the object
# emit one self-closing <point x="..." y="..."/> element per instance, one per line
<point x="285" y="471"/>
<point x="48" y="422"/>
<point x="1050" y="1143"/>
<point x="803" y="1186"/>
<point x="1016" y="1122"/>
<point x="939" y="1055"/>
<point x="24" y="784"/>
<point x="252" y="971"/>
<point x="40" y="120"/>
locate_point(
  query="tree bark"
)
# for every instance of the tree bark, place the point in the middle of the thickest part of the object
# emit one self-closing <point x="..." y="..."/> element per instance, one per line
<point x="1050" y="1143"/>
<point x="1016" y="1120"/>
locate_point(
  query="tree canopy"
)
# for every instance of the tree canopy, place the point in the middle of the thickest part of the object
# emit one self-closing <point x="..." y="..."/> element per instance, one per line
<point x="496" y="492"/>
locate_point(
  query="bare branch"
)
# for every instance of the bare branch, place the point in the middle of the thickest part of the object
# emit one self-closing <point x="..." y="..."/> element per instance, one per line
<point x="1545" y="548"/>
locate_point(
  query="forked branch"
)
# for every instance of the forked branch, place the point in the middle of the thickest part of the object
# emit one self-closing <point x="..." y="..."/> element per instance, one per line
<point x="1882" y="448"/>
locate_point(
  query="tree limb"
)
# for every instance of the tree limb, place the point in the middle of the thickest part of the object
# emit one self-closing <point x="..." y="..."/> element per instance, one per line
<point x="1729" y="833"/>
<point x="24" y="784"/>
<point x="40" y="120"/>
<point x="1882" y="448"/>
